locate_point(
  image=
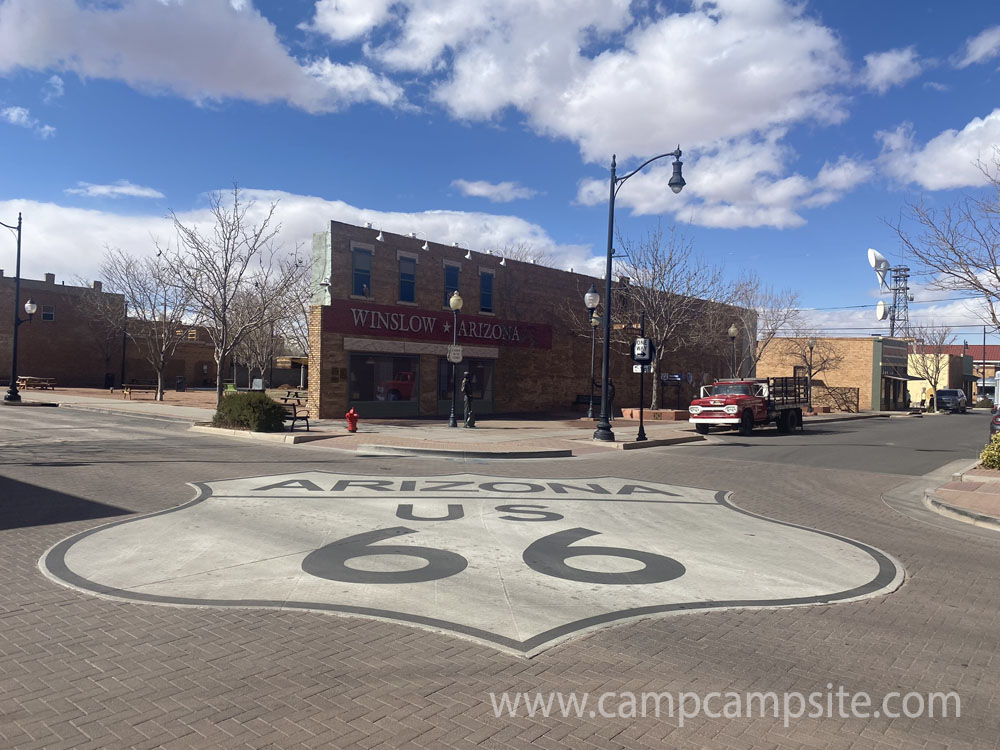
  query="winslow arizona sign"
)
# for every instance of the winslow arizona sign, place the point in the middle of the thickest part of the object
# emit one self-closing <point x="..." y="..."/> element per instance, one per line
<point x="517" y="563"/>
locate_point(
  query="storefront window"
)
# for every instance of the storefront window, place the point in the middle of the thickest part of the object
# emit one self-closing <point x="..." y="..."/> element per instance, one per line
<point x="481" y="371"/>
<point x="376" y="377"/>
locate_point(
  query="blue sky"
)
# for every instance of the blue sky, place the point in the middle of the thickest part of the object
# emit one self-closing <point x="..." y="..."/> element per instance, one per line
<point x="804" y="125"/>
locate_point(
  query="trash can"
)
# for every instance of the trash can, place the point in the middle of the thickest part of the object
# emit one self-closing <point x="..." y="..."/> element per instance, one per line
<point x="181" y="383"/>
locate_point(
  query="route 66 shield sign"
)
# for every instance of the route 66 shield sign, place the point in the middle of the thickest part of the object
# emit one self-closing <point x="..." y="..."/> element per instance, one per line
<point x="517" y="563"/>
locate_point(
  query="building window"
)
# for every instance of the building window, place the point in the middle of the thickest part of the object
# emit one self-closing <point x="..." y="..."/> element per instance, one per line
<point x="407" y="279"/>
<point x="480" y="373"/>
<point x="48" y="312"/>
<point x="362" y="266"/>
<point x="450" y="282"/>
<point x="375" y="377"/>
<point x="486" y="291"/>
<point x="193" y="334"/>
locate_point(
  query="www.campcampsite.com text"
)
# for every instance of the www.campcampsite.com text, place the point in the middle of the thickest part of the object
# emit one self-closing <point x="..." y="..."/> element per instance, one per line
<point x="789" y="706"/>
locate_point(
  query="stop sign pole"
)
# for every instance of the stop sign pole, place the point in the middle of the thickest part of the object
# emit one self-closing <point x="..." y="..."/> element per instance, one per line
<point x="642" y="353"/>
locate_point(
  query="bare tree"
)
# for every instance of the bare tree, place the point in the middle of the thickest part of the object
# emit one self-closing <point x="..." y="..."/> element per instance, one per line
<point x="679" y="292"/>
<point x="825" y="355"/>
<point x="158" y="309"/>
<point x="104" y="315"/>
<point x="761" y="314"/>
<point x="524" y="252"/>
<point x="958" y="246"/>
<point x="218" y="266"/>
<point x="293" y="328"/>
<point x="928" y="345"/>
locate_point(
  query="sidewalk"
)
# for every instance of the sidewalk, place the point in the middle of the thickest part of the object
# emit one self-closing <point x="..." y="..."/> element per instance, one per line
<point x="973" y="496"/>
<point x="548" y="436"/>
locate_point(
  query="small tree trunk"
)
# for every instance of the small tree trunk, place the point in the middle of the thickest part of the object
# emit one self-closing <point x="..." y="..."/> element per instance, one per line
<point x="654" y="397"/>
<point x="159" y="385"/>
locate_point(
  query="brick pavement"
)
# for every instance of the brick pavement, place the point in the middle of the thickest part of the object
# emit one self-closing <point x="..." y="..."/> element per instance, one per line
<point x="81" y="672"/>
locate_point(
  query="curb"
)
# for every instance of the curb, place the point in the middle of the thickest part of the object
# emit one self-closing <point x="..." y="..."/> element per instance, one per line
<point x="658" y="442"/>
<point x="389" y="450"/>
<point x="965" y="515"/>
<point x="29" y="403"/>
<point x="273" y="437"/>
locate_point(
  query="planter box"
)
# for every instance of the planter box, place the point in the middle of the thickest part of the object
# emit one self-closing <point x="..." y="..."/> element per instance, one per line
<point x="657" y="415"/>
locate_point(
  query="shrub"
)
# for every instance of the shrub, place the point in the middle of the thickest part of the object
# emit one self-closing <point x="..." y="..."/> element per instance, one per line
<point x="983" y="403"/>
<point x="990" y="457"/>
<point x="250" y="411"/>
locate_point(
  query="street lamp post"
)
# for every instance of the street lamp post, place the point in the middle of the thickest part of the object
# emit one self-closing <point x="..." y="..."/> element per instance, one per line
<point x="676" y="183"/>
<point x="809" y="376"/>
<point x="455" y="303"/>
<point x="733" y="333"/>
<point x="12" y="396"/>
<point x="592" y="299"/>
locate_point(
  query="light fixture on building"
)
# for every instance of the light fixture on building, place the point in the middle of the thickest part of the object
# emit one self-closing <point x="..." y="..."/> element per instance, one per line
<point x="468" y="255"/>
<point x="426" y="246"/>
<point x="380" y="237"/>
<point x="503" y="261"/>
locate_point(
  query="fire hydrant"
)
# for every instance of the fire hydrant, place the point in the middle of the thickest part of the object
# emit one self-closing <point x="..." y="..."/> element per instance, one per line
<point x="352" y="420"/>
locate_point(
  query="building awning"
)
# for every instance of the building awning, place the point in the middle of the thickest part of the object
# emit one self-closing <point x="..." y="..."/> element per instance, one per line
<point x="901" y="377"/>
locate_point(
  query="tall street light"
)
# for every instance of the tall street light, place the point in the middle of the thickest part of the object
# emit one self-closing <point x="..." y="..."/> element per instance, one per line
<point x="733" y="333"/>
<point x="676" y="183"/>
<point x="809" y="383"/>
<point x="592" y="299"/>
<point x="455" y="303"/>
<point x="12" y="396"/>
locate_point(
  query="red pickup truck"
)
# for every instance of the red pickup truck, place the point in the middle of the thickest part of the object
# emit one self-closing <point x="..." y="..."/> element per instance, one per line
<point x="745" y="403"/>
<point x="400" y="389"/>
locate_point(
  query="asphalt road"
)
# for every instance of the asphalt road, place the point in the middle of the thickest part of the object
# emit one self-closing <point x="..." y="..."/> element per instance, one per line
<point x="908" y="446"/>
<point x="93" y="669"/>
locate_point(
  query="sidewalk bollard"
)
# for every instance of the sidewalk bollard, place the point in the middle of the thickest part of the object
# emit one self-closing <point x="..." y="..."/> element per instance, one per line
<point x="352" y="420"/>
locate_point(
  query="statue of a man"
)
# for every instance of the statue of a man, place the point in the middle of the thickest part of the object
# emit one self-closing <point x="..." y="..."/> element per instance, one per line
<point x="470" y="419"/>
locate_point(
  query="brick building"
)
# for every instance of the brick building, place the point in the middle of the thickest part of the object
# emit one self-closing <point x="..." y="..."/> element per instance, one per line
<point x="68" y="340"/>
<point x="381" y="325"/>
<point x="862" y="374"/>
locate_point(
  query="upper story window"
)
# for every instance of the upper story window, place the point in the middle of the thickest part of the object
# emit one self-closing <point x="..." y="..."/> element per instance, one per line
<point x="486" y="291"/>
<point x="450" y="282"/>
<point x="362" y="272"/>
<point x="48" y="312"/>
<point x="407" y="279"/>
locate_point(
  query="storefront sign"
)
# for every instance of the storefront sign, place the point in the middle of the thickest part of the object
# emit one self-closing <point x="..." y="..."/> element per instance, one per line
<point x="350" y="317"/>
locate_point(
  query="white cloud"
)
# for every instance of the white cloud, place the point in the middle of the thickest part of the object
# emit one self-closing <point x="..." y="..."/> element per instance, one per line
<point x="53" y="228"/>
<point x="741" y="185"/>
<point x="499" y="192"/>
<point x="342" y="20"/>
<point x="53" y="90"/>
<point x="209" y="50"/>
<point x="946" y="161"/>
<point x="883" y="70"/>
<point x="21" y="117"/>
<point x="122" y="188"/>
<point x="980" y="48"/>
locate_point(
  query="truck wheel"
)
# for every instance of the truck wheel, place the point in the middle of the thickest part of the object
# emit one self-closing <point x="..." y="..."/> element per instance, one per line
<point x="746" y="423"/>
<point x="783" y="421"/>
<point x="795" y="419"/>
<point x="702" y="429"/>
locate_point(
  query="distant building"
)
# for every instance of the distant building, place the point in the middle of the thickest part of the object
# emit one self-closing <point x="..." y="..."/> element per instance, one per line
<point x="955" y="371"/>
<point x="863" y="374"/>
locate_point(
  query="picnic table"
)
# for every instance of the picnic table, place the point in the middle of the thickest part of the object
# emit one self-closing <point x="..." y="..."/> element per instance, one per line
<point x="29" y="381"/>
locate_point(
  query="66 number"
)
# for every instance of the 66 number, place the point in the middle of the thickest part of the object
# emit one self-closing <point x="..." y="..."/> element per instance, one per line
<point x="547" y="555"/>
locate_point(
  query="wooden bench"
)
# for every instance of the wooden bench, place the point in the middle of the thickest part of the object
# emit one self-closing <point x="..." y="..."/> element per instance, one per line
<point x="583" y="399"/>
<point x="296" y="412"/>
<point x="129" y="388"/>
<point x="28" y="381"/>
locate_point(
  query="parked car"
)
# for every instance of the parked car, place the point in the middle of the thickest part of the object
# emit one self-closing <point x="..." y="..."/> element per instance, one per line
<point x="950" y="399"/>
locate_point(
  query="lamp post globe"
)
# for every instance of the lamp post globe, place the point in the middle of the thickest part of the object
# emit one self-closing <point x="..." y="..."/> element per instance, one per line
<point x="591" y="300"/>
<point x="455" y="303"/>
<point x="30" y="307"/>
<point x="733" y="333"/>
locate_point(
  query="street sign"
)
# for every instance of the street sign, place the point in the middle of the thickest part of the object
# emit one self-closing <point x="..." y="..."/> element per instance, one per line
<point x="454" y="354"/>
<point x="642" y="351"/>
<point x="671" y="377"/>
<point x="642" y="368"/>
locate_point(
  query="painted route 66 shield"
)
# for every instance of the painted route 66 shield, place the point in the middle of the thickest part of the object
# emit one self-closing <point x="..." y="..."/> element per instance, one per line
<point x="518" y="563"/>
